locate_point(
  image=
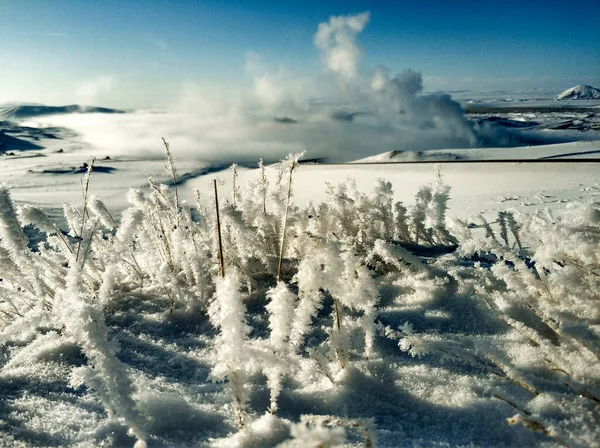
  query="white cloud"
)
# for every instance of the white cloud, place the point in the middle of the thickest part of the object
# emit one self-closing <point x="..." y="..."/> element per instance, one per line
<point x="280" y="90"/>
<point x="337" y="40"/>
<point x="349" y="115"/>
<point x="90" y="92"/>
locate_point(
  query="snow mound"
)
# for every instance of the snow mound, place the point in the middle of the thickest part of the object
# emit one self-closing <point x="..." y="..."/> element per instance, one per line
<point x="580" y="92"/>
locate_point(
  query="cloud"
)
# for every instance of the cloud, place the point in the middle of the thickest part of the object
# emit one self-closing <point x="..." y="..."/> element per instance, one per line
<point x="90" y="92"/>
<point x="281" y="91"/>
<point x="337" y="40"/>
<point x="350" y="113"/>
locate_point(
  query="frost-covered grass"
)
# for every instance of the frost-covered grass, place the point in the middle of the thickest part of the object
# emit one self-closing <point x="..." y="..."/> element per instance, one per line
<point x="358" y="320"/>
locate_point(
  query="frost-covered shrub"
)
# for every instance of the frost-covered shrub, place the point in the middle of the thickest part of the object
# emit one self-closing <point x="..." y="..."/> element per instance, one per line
<point x="281" y="312"/>
<point x="227" y="313"/>
<point x="107" y="376"/>
<point x="541" y="280"/>
<point x="351" y="276"/>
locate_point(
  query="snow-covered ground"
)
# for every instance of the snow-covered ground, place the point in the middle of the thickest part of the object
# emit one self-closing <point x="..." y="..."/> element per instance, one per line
<point x="580" y="92"/>
<point x="374" y="335"/>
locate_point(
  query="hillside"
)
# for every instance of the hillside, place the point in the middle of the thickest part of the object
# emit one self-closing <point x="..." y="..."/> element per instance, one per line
<point x="580" y="92"/>
<point x="11" y="112"/>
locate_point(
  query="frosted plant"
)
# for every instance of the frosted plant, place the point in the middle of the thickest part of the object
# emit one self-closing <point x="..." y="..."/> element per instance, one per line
<point x="235" y="191"/>
<point x="489" y="232"/>
<point x="281" y="312"/>
<point x="409" y="341"/>
<point x="328" y="431"/>
<point x="503" y="226"/>
<point x="547" y="294"/>
<point x="238" y="240"/>
<point x="260" y="225"/>
<point x="395" y="255"/>
<point x="97" y="208"/>
<point x="341" y="216"/>
<point x="313" y="274"/>
<point x="356" y="218"/>
<point x="380" y="213"/>
<point x="108" y="376"/>
<point x="228" y="313"/>
<point x="402" y="231"/>
<point x="291" y="163"/>
<point x="317" y="273"/>
<point x="29" y="215"/>
<point x="514" y="228"/>
<point x="20" y="257"/>
<point x="73" y="219"/>
<point x="419" y="215"/>
<point x="327" y="269"/>
<point x="439" y="206"/>
<point x="172" y="170"/>
<point x="357" y="291"/>
<point x="263" y="185"/>
<point x="157" y="240"/>
<point x="267" y="430"/>
<point x="305" y="435"/>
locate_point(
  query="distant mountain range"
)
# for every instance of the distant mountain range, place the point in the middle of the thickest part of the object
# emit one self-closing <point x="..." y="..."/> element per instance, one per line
<point x="581" y="92"/>
<point x="20" y="111"/>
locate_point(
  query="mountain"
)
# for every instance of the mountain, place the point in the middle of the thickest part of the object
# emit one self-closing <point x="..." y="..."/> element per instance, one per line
<point x="9" y="112"/>
<point x="581" y="92"/>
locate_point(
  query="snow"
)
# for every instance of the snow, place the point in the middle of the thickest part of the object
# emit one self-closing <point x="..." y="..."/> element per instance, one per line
<point x="476" y="187"/>
<point x="579" y="92"/>
<point x="364" y="340"/>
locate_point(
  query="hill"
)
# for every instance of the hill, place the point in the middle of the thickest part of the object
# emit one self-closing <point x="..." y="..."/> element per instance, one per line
<point x="580" y="92"/>
<point x="9" y="112"/>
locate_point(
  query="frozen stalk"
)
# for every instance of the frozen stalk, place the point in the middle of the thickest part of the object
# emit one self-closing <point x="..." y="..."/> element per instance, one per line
<point x="281" y="312"/>
<point x="85" y="186"/>
<point x="85" y="323"/>
<point x="227" y="312"/>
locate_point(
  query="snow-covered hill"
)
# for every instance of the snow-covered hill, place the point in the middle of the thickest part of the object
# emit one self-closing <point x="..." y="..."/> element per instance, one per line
<point x="12" y="111"/>
<point x="580" y="92"/>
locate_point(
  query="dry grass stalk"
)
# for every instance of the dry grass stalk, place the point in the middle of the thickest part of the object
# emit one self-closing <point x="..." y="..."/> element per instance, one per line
<point x="173" y="172"/>
<point x="221" y="262"/>
<point x="285" y="218"/>
<point x="85" y="188"/>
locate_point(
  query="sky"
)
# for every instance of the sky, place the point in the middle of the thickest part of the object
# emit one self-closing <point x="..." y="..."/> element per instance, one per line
<point x="139" y="54"/>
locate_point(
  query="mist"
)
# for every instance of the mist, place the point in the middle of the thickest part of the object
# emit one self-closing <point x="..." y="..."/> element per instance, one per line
<point x="347" y="112"/>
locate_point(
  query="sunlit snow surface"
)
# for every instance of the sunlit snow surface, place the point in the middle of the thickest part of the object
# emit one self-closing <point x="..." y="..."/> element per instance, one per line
<point x="424" y="401"/>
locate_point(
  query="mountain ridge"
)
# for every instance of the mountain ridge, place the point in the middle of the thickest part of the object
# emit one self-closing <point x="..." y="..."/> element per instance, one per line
<point x="579" y="92"/>
<point x="30" y="110"/>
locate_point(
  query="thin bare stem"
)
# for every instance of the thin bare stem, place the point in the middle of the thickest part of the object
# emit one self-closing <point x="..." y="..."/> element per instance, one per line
<point x="264" y="182"/>
<point x="86" y="189"/>
<point x="285" y="218"/>
<point x="173" y="172"/>
<point x="221" y="262"/>
<point x="87" y="249"/>
<point x="528" y="422"/>
<point x="339" y="351"/>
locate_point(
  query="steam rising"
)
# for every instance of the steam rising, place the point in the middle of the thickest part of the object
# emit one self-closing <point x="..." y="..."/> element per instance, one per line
<point x="347" y="113"/>
<point x="337" y="41"/>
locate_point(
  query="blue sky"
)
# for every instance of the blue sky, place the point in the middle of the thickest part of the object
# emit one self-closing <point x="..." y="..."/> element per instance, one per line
<point x="140" y="53"/>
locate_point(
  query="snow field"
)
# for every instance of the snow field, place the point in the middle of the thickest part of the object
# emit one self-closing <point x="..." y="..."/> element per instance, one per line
<point x="388" y="327"/>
